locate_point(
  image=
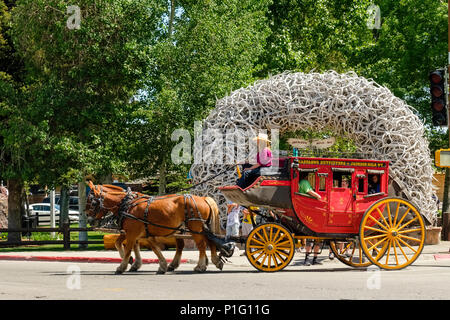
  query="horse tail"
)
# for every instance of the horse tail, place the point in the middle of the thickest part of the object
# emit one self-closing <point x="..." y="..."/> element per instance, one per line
<point x="214" y="219"/>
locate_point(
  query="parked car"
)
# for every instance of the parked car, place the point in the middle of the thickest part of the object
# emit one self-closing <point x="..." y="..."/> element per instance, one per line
<point x="42" y="212"/>
<point x="73" y="202"/>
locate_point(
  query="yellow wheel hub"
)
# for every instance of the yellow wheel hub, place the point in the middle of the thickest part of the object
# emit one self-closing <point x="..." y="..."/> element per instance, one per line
<point x="270" y="247"/>
<point x="392" y="233"/>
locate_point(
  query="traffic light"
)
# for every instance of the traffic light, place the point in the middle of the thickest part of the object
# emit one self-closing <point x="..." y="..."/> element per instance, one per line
<point x="438" y="97"/>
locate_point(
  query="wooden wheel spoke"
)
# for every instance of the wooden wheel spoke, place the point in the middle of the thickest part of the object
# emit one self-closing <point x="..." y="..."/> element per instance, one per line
<point x="256" y="252"/>
<point x="276" y="235"/>
<point x="382" y="216"/>
<point x="264" y="260"/>
<point x="378" y="222"/>
<point x="388" y="252"/>
<point x="401" y="249"/>
<point x="283" y="253"/>
<point x="376" y="244"/>
<point x="253" y="246"/>
<point x="389" y="214"/>
<point x="257" y="241"/>
<point x="396" y="214"/>
<point x="281" y="244"/>
<point x="375" y="237"/>
<point x="374" y="229"/>
<point x="406" y="244"/>
<point x="282" y="237"/>
<point x="258" y="257"/>
<point x="395" y="251"/>
<point x="410" y="238"/>
<point x="410" y="230"/>
<point x="408" y="223"/>
<point x="403" y="217"/>
<point x="277" y="254"/>
<point x="266" y="238"/>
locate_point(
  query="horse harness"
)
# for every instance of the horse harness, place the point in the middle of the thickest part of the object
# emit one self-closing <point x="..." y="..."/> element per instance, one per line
<point x="132" y="200"/>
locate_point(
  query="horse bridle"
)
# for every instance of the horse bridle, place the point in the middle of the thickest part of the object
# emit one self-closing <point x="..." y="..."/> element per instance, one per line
<point x="97" y="202"/>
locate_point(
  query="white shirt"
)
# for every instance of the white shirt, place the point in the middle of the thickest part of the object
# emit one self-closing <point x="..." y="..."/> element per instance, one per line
<point x="233" y="216"/>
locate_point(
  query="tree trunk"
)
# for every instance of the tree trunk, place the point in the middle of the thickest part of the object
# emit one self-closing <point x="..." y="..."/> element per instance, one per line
<point x="64" y="206"/>
<point x="172" y="16"/>
<point x="15" y="187"/>
<point x="162" y="177"/>
<point x="83" y="219"/>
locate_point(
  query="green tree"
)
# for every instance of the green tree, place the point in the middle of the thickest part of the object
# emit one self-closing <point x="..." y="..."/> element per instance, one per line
<point x="207" y="49"/>
<point x="78" y="80"/>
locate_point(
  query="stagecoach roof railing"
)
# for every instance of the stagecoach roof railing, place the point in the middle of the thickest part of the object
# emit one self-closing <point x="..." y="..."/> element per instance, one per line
<point x="338" y="154"/>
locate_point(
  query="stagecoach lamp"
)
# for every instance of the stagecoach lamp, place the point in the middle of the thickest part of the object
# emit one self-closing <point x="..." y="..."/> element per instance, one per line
<point x="442" y="158"/>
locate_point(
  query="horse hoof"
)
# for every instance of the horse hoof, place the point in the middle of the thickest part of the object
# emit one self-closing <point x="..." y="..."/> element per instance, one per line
<point x="118" y="272"/>
<point x="160" y="272"/>
<point x="133" y="269"/>
<point x="200" y="269"/>
<point x="131" y="260"/>
<point x="170" y="268"/>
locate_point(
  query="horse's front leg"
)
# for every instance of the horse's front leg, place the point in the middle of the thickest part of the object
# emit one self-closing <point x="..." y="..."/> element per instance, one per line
<point x="137" y="252"/>
<point x="200" y="241"/>
<point x="177" y="258"/>
<point x="127" y="254"/>
<point x="214" y="257"/>
<point x="119" y="246"/>
<point x="162" y="261"/>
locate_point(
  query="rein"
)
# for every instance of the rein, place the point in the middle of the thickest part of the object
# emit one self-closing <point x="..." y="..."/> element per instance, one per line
<point x="132" y="200"/>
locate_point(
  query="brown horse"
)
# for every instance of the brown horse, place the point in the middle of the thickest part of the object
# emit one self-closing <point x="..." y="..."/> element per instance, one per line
<point x="152" y="217"/>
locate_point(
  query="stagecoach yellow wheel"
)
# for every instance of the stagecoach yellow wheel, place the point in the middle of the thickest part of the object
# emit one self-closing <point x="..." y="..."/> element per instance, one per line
<point x="269" y="247"/>
<point x="392" y="233"/>
<point x="350" y="253"/>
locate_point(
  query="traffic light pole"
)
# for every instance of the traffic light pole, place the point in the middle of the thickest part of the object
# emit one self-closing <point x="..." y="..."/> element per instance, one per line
<point x="445" y="211"/>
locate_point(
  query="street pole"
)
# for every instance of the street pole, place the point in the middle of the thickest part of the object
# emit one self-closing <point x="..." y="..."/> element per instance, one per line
<point x="52" y="211"/>
<point x="445" y="211"/>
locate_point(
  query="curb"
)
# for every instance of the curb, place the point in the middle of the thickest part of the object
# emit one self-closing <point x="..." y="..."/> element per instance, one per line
<point x="441" y="256"/>
<point x="78" y="259"/>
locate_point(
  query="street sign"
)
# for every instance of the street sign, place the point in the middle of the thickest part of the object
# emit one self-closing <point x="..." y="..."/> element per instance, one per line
<point x="442" y="158"/>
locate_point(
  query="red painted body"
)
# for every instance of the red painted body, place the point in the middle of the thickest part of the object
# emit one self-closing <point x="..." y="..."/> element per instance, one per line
<point x="341" y="208"/>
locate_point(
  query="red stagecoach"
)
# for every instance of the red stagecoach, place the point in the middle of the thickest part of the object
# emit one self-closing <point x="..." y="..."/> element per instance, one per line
<point x="362" y="224"/>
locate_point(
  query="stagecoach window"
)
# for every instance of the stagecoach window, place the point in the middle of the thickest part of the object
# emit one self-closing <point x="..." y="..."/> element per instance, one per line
<point x="374" y="183"/>
<point x="322" y="183"/>
<point x="342" y="180"/>
<point x="360" y="184"/>
<point x="312" y="180"/>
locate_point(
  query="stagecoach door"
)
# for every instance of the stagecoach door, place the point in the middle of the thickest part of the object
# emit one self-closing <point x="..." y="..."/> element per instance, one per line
<point x="341" y="197"/>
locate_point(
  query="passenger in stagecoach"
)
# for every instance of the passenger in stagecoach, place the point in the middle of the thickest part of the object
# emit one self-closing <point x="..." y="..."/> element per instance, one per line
<point x="374" y="184"/>
<point x="263" y="159"/>
<point x="305" y="187"/>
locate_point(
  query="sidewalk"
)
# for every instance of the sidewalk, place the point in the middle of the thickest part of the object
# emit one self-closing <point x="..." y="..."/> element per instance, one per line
<point x="436" y="252"/>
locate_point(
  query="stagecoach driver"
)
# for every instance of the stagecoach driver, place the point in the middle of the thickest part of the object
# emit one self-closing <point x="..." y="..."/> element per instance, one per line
<point x="263" y="159"/>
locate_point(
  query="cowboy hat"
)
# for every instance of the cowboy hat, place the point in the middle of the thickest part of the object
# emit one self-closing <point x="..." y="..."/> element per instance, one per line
<point x="262" y="136"/>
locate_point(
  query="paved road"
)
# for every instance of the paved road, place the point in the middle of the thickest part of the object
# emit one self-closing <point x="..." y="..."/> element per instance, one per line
<point x="427" y="278"/>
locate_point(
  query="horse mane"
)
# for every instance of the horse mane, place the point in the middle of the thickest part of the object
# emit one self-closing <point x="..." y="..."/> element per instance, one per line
<point x="114" y="187"/>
